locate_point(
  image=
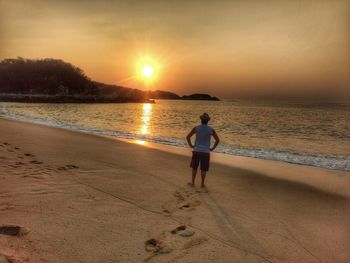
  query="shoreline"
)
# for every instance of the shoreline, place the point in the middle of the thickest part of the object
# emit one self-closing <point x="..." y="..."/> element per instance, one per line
<point x="300" y="173"/>
<point x="306" y="174"/>
<point x="322" y="161"/>
<point x="80" y="197"/>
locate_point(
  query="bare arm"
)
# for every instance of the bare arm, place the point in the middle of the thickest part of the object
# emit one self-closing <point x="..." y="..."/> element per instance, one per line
<point x="188" y="138"/>
<point x="217" y="140"/>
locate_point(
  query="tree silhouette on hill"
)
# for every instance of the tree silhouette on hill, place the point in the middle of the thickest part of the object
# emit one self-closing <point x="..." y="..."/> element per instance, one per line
<point x="44" y="76"/>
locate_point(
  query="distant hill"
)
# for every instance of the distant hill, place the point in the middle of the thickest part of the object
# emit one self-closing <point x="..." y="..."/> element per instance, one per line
<point x="114" y="90"/>
<point x="53" y="80"/>
<point x="44" y="76"/>
<point x="160" y="94"/>
<point x="118" y="91"/>
<point x="198" y="96"/>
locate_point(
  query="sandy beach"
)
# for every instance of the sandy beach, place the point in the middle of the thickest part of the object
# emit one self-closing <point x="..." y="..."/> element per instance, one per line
<point x="73" y="197"/>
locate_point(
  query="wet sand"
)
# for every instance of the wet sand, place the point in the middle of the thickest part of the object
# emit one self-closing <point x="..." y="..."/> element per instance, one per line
<point x="73" y="197"/>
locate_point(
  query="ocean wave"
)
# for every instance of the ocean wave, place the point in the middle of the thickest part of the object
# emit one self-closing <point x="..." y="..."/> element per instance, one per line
<point x="335" y="162"/>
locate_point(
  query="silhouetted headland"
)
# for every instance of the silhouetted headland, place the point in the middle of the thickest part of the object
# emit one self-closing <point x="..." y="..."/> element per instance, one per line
<point x="55" y="81"/>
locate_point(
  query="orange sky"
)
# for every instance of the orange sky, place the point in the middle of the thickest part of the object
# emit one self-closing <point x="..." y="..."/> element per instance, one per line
<point x="224" y="48"/>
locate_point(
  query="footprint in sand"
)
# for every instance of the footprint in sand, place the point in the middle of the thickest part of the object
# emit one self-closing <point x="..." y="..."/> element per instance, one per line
<point x="72" y="166"/>
<point x="14" y="231"/>
<point x="185" y="200"/>
<point x="195" y="242"/>
<point x="151" y="245"/>
<point x="182" y="237"/>
<point x="67" y="167"/>
<point x="5" y="259"/>
<point x="175" y="241"/>
<point x="11" y="230"/>
<point x="182" y="231"/>
<point x="156" y="247"/>
<point x="36" y="162"/>
<point x="166" y="243"/>
<point x="29" y="155"/>
<point x="190" y="205"/>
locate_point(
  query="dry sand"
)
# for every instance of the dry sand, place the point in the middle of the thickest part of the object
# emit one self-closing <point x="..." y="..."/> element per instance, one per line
<point x="69" y="197"/>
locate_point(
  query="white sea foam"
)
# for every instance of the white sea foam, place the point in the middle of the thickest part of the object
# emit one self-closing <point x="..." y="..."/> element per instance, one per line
<point x="335" y="162"/>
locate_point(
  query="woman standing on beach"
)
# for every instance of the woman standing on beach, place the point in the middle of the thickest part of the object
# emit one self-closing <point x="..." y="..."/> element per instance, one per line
<point x="201" y="148"/>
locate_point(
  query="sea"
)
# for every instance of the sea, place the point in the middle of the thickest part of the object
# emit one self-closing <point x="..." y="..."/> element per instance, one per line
<point x="300" y="133"/>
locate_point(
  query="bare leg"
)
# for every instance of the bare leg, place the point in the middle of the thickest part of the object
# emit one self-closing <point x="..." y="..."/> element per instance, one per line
<point x="194" y="173"/>
<point x="203" y="174"/>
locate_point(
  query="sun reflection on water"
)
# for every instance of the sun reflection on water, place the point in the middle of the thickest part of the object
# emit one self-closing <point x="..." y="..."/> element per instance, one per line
<point x="146" y="117"/>
<point x="140" y="142"/>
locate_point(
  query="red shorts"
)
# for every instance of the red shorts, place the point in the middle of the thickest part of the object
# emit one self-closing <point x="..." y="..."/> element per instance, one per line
<point x="200" y="158"/>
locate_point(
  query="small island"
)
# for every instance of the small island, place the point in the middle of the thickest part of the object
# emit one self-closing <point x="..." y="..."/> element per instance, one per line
<point x="55" y="81"/>
<point x="198" y="96"/>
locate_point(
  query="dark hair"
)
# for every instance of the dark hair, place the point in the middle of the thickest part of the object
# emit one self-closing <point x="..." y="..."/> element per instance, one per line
<point x="204" y="121"/>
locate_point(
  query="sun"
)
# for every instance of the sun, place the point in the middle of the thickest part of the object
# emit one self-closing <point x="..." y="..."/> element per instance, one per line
<point x="147" y="71"/>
